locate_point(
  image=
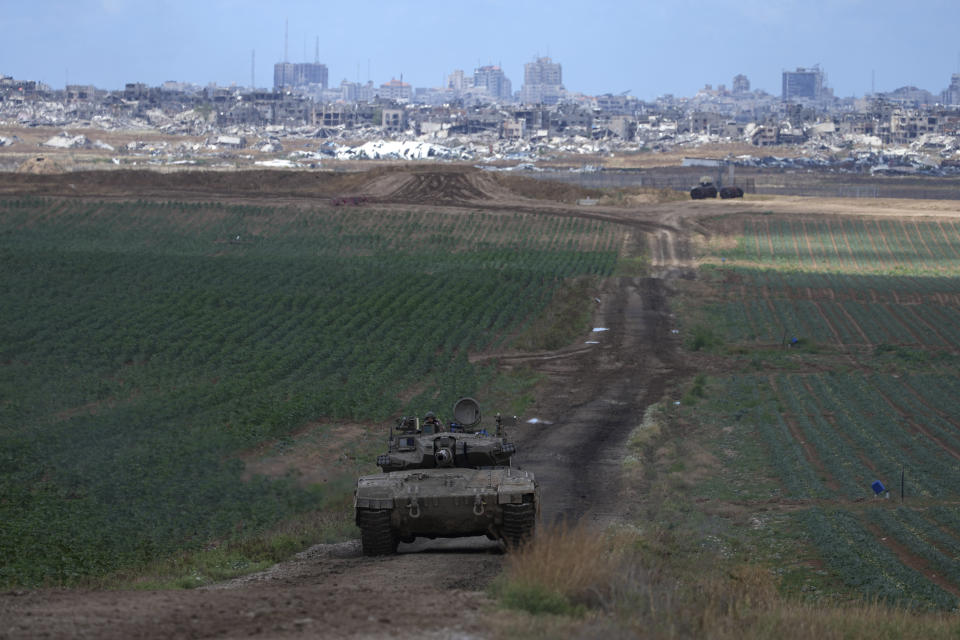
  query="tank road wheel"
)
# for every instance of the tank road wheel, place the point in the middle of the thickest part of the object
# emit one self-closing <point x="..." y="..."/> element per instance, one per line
<point x="376" y="535"/>
<point x="518" y="523"/>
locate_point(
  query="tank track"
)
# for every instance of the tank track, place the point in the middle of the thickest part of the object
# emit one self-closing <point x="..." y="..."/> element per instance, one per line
<point x="518" y="523"/>
<point x="376" y="535"/>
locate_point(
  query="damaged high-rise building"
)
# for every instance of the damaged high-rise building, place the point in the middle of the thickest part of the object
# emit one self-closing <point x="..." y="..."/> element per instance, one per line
<point x="287" y="75"/>
<point x="741" y="84"/>
<point x="803" y="84"/>
<point x="951" y="95"/>
<point x="542" y="82"/>
<point x="496" y="83"/>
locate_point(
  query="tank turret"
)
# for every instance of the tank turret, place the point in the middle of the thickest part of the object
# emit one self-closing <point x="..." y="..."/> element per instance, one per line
<point x="462" y="443"/>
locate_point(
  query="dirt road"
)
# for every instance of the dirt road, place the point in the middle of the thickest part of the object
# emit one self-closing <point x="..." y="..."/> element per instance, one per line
<point x="596" y="395"/>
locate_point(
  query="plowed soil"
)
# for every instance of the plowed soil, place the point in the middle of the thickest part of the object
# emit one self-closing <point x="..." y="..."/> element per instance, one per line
<point x="595" y="395"/>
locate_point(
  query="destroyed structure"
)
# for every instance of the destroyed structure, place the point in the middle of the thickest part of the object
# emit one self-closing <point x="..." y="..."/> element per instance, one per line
<point x="480" y="118"/>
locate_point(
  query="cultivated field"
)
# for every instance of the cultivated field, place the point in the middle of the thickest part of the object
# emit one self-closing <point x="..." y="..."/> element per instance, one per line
<point x="145" y="345"/>
<point x="843" y="334"/>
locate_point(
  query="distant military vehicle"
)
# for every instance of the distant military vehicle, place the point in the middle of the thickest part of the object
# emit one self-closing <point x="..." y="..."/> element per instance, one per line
<point x="704" y="190"/>
<point x="731" y="192"/>
<point x="446" y="481"/>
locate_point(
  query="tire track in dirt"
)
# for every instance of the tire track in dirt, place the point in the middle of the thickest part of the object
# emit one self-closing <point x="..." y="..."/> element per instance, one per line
<point x="577" y="449"/>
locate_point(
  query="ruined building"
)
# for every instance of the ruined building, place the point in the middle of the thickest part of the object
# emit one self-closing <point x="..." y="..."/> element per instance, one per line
<point x="741" y="84"/>
<point x="287" y="75"/>
<point x="542" y="82"/>
<point x="492" y="79"/>
<point x="803" y="84"/>
<point x="951" y="96"/>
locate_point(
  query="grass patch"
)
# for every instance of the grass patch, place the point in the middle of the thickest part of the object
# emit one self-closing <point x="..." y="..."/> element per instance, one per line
<point x="632" y="196"/>
<point x="536" y="599"/>
<point x="225" y="559"/>
<point x="697" y="390"/>
<point x="566" y="317"/>
<point x="634" y="266"/>
<point x="652" y="582"/>
<point x="703" y="338"/>
<point x="564" y="570"/>
<point x="510" y="392"/>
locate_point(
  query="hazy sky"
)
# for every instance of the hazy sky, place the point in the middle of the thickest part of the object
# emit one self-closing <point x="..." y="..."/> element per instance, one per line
<point x="650" y="48"/>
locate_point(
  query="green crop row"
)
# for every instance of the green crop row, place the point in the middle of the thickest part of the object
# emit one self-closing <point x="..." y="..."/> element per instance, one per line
<point x="843" y="310"/>
<point x="142" y="346"/>
<point x="845" y="244"/>
<point x="860" y="561"/>
<point x="921" y="538"/>
<point x="840" y="285"/>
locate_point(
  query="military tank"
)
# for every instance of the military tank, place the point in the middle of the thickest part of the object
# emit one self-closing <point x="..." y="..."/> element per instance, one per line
<point x="446" y="481"/>
<point x="704" y="190"/>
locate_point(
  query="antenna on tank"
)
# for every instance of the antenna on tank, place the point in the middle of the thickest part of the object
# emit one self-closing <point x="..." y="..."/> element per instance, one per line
<point x="286" y="38"/>
<point x="253" y="69"/>
<point x="316" y="53"/>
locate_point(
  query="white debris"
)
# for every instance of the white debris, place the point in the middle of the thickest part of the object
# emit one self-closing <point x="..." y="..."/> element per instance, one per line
<point x="591" y="342"/>
<point x="276" y="163"/>
<point x="400" y="150"/>
<point x="538" y="421"/>
<point x="66" y="141"/>
<point x="599" y="329"/>
<point x="270" y="147"/>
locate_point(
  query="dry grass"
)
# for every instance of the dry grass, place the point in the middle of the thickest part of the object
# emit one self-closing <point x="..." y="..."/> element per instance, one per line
<point x="572" y="560"/>
<point x="565" y="569"/>
<point x="638" y="196"/>
<point x="574" y="581"/>
<point x="544" y="189"/>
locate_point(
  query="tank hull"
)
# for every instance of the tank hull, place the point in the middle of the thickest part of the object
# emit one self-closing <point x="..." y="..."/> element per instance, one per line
<point x="501" y="503"/>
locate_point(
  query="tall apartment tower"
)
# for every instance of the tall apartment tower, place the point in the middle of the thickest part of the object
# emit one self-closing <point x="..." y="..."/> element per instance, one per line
<point x="457" y="80"/>
<point x="951" y="96"/>
<point x="803" y="84"/>
<point x="298" y="74"/>
<point x="542" y="82"/>
<point x="741" y="84"/>
<point x="494" y="81"/>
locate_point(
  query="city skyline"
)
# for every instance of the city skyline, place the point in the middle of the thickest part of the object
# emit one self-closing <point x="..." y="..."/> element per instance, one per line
<point x="650" y="49"/>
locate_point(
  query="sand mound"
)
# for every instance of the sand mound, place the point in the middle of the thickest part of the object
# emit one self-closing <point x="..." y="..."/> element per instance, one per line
<point x="40" y="165"/>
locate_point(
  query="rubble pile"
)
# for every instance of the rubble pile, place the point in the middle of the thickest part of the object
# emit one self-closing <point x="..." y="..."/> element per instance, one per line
<point x="240" y="131"/>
